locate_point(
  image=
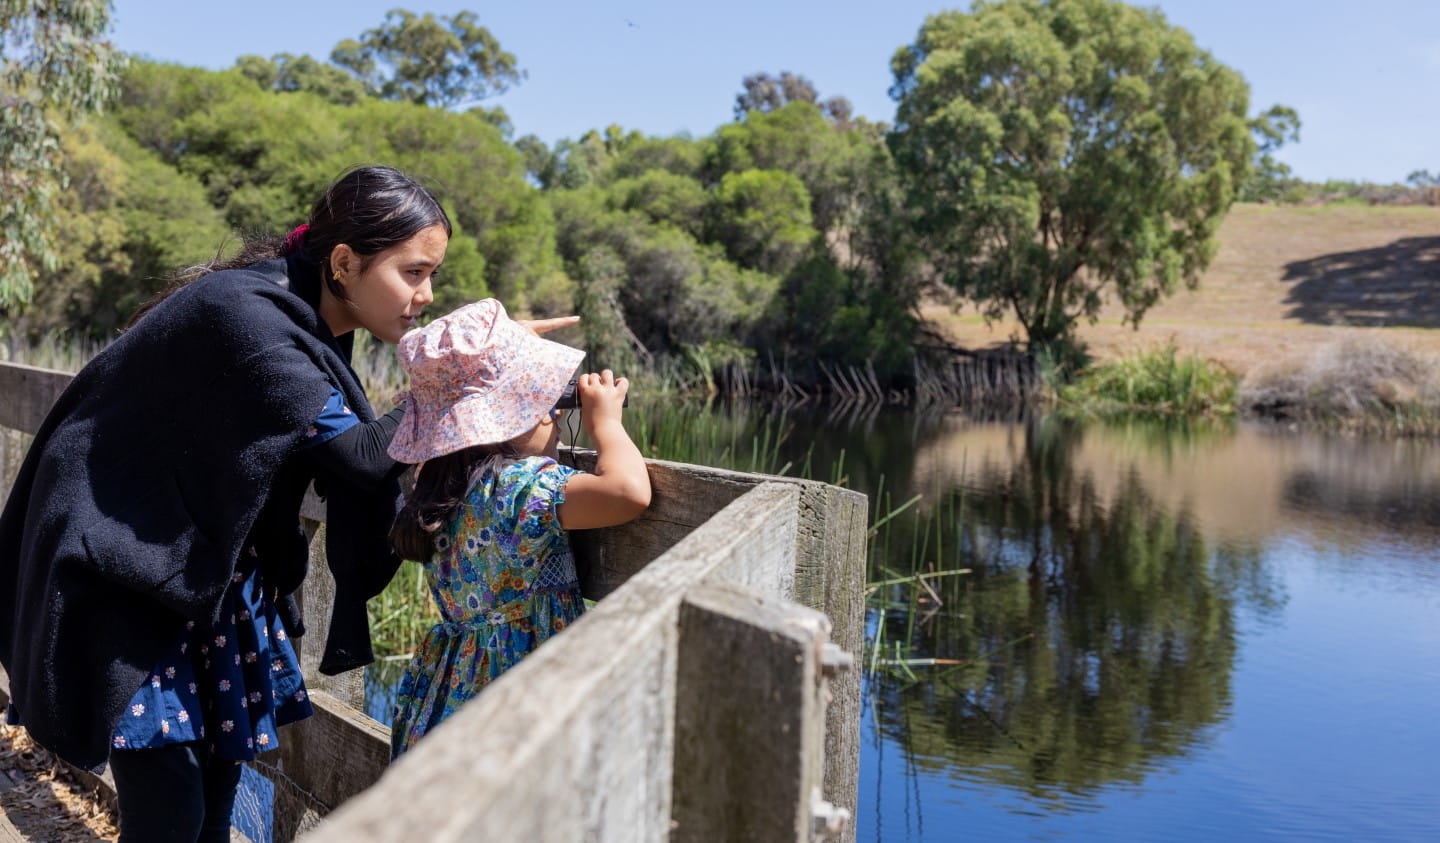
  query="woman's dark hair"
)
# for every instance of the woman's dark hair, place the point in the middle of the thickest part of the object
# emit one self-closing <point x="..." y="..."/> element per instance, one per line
<point x="370" y="209"/>
<point x="440" y="487"/>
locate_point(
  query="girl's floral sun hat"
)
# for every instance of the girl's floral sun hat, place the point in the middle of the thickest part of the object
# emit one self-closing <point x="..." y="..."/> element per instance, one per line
<point x="477" y="377"/>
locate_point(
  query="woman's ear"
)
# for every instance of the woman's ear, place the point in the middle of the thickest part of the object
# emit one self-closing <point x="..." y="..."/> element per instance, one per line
<point x="344" y="263"/>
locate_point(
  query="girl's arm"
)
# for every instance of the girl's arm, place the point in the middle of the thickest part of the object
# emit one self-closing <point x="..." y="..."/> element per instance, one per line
<point x="619" y="490"/>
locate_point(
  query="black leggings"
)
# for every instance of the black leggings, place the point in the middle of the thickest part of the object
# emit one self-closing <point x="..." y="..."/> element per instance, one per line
<point x="179" y="792"/>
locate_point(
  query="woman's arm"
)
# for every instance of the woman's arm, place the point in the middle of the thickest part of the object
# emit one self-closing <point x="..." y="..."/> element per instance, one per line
<point x="357" y="456"/>
<point x="619" y="490"/>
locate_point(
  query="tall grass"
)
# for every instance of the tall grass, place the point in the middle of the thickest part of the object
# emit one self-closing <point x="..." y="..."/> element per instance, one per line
<point x="60" y="352"/>
<point x="402" y="613"/>
<point x="917" y="573"/>
<point x="1155" y="382"/>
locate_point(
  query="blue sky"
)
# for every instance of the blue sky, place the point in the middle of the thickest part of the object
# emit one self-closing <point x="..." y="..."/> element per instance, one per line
<point x="1364" y="74"/>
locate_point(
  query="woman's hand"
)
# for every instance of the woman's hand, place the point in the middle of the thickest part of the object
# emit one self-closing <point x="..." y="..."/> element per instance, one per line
<point x="544" y="326"/>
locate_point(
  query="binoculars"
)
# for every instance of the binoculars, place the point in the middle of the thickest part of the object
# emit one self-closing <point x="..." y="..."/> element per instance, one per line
<point x="570" y="398"/>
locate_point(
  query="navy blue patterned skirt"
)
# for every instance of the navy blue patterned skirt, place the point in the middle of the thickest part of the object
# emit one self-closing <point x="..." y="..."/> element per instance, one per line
<point x="231" y="684"/>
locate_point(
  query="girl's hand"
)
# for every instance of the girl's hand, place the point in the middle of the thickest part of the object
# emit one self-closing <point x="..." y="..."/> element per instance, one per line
<point x="601" y="398"/>
<point x="619" y="489"/>
<point x="544" y="326"/>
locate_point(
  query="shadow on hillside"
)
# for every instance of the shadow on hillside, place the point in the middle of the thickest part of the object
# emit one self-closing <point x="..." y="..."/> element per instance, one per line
<point x="1398" y="284"/>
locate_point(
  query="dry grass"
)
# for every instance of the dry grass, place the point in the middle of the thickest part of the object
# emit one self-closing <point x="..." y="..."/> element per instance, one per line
<point x="1355" y="382"/>
<point x="1287" y="281"/>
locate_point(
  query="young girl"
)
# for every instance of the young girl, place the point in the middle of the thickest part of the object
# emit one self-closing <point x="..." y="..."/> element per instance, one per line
<point x="491" y="505"/>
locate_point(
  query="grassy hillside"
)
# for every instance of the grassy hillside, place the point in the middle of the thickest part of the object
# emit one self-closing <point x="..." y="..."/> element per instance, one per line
<point x="1287" y="281"/>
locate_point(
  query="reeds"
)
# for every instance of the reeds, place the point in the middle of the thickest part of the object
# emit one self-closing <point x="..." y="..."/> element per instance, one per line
<point x="1158" y="382"/>
<point x="402" y="613"/>
<point x="917" y="570"/>
<point x="60" y="352"/>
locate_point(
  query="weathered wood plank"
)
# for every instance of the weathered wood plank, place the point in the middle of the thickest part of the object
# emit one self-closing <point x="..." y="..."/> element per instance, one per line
<point x="829" y="572"/>
<point x="576" y="743"/>
<point x="749" y="719"/>
<point x="28" y="393"/>
<point x="682" y="498"/>
<point x="333" y="755"/>
<point x="833" y="541"/>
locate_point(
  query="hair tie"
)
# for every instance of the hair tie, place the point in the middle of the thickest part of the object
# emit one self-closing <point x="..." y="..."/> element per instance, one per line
<point x="295" y="240"/>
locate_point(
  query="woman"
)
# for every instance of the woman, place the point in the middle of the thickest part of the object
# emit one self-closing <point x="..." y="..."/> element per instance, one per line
<point x="152" y="531"/>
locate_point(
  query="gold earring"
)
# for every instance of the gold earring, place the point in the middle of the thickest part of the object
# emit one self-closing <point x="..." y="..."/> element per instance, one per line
<point x="336" y="276"/>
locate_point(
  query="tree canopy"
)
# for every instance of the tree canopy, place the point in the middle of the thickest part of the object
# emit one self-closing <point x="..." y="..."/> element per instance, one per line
<point x="1055" y="151"/>
<point x="1047" y="153"/>
<point x="441" y="62"/>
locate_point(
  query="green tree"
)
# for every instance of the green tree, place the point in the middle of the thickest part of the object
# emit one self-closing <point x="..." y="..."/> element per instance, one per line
<point x="797" y="139"/>
<point x="441" y="62"/>
<point x="262" y="157"/>
<point x="1055" y="151"/>
<point x="1271" y="180"/>
<point x="130" y="221"/>
<point x="763" y="219"/>
<point x="54" y="63"/>
<point x="608" y="339"/>
<point x="574" y="163"/>
<point x="674" y="292"/>
<point x="285" y="72"/>
<point x="666" y="198"/>
<point x="764" y="92"/>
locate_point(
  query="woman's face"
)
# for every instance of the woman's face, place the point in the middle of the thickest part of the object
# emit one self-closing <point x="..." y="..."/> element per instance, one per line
<point x="387" y="296"/>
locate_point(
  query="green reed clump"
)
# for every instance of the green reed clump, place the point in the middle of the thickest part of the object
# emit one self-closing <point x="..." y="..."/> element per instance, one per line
<point x="710" y="434"/>
<point x="1156" y="382"/>
<point x="402" y="613"/>
<point x="917" y="575"/>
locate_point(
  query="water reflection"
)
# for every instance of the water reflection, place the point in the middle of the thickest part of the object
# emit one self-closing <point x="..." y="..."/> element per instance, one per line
<point x="1099" y="635"/>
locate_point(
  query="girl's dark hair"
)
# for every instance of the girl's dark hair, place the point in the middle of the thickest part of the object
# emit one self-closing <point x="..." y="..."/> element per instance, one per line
<point x="370" y="209"/>
<point x="440" y="487"/>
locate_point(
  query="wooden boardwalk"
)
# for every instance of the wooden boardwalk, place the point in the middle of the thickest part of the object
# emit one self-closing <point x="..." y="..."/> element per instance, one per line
<point x="705" y="697"/>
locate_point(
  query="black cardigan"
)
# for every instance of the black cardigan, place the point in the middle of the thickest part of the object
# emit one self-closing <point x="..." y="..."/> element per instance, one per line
<point x="168" y="452"/>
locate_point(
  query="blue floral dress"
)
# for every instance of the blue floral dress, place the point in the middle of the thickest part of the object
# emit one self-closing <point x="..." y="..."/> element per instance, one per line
<point x="233" y="683"/>
<point x="503" y="578"/>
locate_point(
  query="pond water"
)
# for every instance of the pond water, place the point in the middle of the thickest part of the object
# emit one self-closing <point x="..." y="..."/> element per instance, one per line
<point x="1137" y="631"/>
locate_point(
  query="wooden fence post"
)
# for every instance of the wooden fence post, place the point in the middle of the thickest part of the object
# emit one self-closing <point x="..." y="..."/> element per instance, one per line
<point x="750" y="698"/>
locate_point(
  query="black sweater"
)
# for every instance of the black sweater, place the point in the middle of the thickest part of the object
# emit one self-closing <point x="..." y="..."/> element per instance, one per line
<point x="167" y="453"/>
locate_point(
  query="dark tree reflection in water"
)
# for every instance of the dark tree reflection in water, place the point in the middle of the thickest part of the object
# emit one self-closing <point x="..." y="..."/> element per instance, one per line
<point x="1098" y="637"/>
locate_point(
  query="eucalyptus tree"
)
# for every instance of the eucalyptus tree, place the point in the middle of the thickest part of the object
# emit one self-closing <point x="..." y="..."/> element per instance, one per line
<point x="55" y="65"/>
<point x="1056" y="151"/>
<point x="286" y="72"/>
<point x="764" y="92"/>
<point x="443" y="62"/>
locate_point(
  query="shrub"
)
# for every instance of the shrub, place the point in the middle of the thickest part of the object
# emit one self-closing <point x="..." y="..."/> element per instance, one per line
<point x="1158" y="382"/>
<point x="1361" y="383"/>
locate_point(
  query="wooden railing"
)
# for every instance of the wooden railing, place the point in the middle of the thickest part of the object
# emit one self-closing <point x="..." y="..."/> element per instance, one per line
<point x="695" y="701"/>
